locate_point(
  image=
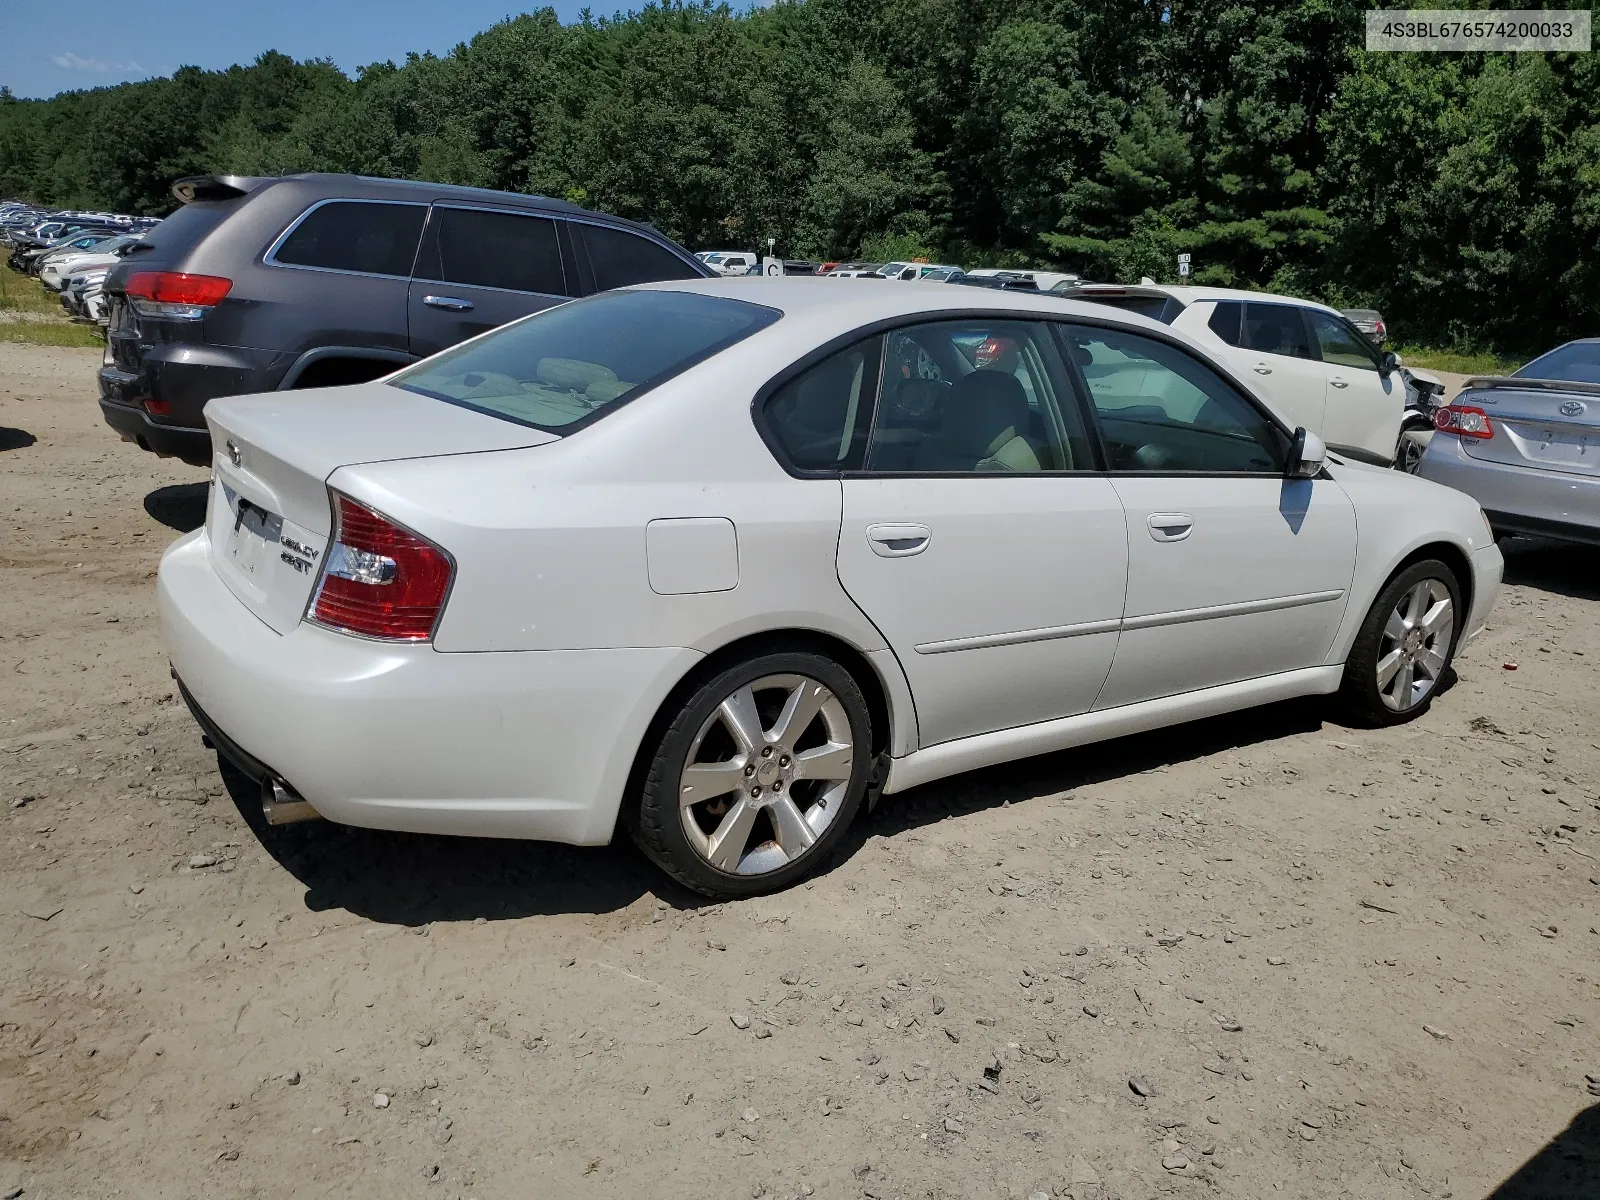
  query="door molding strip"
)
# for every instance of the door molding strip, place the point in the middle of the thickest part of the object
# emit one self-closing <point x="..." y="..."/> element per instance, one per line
<point x="983" y="641"/>
<point x="1182" y="616"/>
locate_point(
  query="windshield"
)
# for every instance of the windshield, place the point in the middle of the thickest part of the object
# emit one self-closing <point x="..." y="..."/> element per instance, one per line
<point x="570" y="365"/>
<point x="1576" y="362"/>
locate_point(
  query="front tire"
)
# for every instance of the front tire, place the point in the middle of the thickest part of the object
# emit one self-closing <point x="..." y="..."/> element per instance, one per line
<point x="1403" y="651"/>
<point x="758" y="776"/>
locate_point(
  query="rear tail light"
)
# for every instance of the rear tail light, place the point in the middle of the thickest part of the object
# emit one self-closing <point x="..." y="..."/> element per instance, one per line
<point x="157" y="408"/>
<point x="1463" y="421"/>
<point x="175" y="295"/>
<point x="379" y="579"/>
<point x="1381" y="330"/>
<point x="991" y="350"/>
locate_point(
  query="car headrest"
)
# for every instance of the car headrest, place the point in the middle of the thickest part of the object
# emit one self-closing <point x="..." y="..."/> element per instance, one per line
<point x="572" y="374"/>
<point x="983" y="411"/>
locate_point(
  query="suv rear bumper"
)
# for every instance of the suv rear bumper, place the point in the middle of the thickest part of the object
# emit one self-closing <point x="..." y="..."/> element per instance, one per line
<point x="193" y="446"/>
<point x="184" y="376"/>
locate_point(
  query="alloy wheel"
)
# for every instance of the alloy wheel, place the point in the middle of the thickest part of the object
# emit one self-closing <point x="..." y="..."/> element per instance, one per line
<point x="766" y="775"/>
<point x="1415" y="645"/>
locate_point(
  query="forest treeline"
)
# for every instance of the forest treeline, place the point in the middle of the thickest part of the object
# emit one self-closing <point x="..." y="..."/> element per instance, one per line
<point x="1460" y="193"/>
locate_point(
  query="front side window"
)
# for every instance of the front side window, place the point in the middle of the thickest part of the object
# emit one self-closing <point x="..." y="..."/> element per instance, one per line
<point x="571" y="365"/>
<point x="976" y="396"/>
<point x="819" y="418"/>
<point x="493" y="249"/>
<point x="1339" y="342"/>
<point x="1276" y="329"/>
<point x="619" y="258"/>
<point x="1162" y="411"/>
<point x="356" y="235"/>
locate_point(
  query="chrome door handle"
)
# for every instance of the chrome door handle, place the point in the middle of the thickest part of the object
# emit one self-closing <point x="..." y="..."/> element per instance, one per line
<point x="448" y="303"/>
<point x="1262" y="369"/>
<point x="898" y="541"/>
<point x="1170" y="527"/>
<point x="1339" y="383"/>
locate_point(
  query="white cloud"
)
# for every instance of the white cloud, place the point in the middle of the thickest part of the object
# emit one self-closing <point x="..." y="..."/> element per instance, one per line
<point x="76" y="62"/>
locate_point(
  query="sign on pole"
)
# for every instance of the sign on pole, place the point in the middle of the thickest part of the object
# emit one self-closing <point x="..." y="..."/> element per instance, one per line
<point x="1183" y="264"/>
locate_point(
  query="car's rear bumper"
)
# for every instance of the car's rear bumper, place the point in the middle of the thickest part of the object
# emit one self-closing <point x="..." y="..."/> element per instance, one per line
<point x="169" y="441"/>
<point x="1558" y="504"/>
<point x="533" y="744"/>
<point x="183" y="377"/>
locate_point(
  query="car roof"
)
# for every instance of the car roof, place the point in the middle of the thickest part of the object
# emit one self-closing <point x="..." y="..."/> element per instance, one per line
<point x="1192" y="295"/>
<point x="814" y="297"/>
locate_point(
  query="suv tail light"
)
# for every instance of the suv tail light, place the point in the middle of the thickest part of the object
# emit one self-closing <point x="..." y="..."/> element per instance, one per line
<point x="1463" y="421"/>
<point x="379" y="579"/>
<point x="174" y="294"/>
<point x="1381" y="330"/>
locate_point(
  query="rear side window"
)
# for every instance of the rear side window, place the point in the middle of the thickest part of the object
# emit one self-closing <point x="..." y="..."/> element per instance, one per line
<point x="356" y="235"/>
<point x="1576" y="362"/>
<point x="1225" y="319"/>
<point x="493" y="249"/>
<point x="620" y="258"/>
<point x="819" y="418"/>
<point x="569" y="366"/>
<point x="1276" y="329"/>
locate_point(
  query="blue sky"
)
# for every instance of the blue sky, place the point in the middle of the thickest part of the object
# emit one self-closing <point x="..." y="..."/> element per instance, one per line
<point x="50" y="46"/>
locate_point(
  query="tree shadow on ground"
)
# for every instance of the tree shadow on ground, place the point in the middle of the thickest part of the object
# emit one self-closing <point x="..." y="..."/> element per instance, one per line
<point x="1567" y="1168"/>
<point x="1560" y="567"/>
<point x="15" y="439"/>
<point x="180" y="506"/>
<point x="415" y="879"/>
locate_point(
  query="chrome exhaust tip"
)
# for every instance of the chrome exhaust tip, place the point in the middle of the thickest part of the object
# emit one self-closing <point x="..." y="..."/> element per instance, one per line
<point x="281" y="805"/>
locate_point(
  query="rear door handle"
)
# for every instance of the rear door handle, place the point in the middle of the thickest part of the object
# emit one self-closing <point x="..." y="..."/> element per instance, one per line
<point x="448" y="303"/>
<point x="1170" y="527"/>
<point x="1262" y="369"/>
<point x="898" y="541"/>
<point x="1339" y="383"/>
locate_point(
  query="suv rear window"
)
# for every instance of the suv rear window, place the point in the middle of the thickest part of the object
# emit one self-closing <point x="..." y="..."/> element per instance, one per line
<point x="368" y="236"/>
<point x="620" y="258"/>
<point x="570" y="365"/>
<point x="1158" y="308"/>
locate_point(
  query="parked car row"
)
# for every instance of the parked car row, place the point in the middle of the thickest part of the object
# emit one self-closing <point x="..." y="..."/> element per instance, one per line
<point x="70" y="252"/>
<point x="309" y="281"/>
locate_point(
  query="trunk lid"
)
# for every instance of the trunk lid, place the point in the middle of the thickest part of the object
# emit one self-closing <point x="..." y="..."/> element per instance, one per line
<point x="268" y="517"/>
<point x="1544" y="425"/>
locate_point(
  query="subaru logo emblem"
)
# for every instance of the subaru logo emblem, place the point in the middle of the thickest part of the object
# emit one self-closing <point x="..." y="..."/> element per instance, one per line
<point x="1573" y="408"/>
<point x="235" y="457"/>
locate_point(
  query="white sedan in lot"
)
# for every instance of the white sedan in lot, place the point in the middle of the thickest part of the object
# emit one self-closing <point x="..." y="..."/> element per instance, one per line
<point x="714" y="562"/>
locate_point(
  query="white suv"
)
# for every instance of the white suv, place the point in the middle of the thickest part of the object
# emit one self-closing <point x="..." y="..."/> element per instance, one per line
<point x="1306" y="359"/>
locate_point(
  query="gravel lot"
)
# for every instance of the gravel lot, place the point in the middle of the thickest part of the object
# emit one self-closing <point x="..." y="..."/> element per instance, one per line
<point x="1265" y="955"/>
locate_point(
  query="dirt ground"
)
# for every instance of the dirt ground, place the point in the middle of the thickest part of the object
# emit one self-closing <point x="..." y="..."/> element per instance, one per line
<point x="1337" y="963"/>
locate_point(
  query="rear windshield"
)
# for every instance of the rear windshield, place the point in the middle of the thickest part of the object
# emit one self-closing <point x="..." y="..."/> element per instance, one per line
<point x="1158" y="308"/>
<point x="1576" y="362"/>
<point x="570" y="365"/>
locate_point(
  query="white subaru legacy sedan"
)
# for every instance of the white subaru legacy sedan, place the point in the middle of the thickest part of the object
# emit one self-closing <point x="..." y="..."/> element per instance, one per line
<point x="716" y="562"/>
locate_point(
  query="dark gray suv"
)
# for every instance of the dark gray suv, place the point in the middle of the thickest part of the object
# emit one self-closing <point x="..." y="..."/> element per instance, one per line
<point x="307" y="281"/>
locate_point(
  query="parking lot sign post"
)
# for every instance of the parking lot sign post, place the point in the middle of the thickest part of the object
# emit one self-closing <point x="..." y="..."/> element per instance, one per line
<point x="1183" y="265"/>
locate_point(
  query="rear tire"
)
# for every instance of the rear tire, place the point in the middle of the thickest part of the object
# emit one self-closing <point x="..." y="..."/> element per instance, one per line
<point x="1401" y="656"/>
<point x="758" y="776"/>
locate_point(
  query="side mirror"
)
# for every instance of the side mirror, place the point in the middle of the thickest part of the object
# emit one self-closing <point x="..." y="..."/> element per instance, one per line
<point x="1390" y="362"/>
<point x="1309" y="455"/>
